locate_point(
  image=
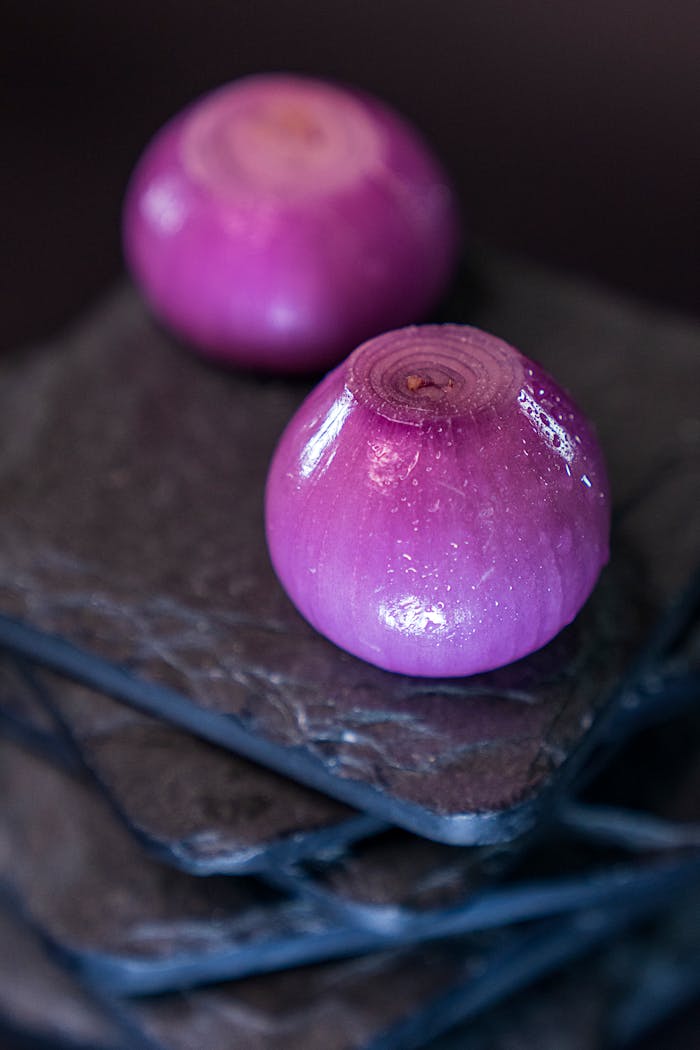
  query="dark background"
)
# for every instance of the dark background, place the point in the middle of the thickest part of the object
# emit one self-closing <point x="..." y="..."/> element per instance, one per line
<point x="571" y="128"/>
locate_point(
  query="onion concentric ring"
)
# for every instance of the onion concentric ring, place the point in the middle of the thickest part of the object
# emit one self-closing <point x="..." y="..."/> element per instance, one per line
<point x="434" y="372"/>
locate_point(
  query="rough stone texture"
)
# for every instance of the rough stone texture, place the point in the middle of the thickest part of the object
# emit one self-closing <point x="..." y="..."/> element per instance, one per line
<point x="342" y="1006"/>
<point x="203" y="808"/>
<point x="38" y="997"/>
<point x="405" y="872"/>
<point x="397" y="876"/>
<point x="85" y="882"/>
<point x="354" y="1006"/>
<point x="337" y="1007"/>
<point x="19" y="700"/>
<point x="131" y="477"/>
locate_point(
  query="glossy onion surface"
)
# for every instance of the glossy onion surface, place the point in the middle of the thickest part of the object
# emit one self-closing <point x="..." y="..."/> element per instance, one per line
<point x="438" y="505"/>
<point x="281" y="220"/>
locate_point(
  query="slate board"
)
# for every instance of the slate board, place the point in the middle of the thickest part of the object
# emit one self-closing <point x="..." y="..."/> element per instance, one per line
<point x="189" y="802"/>
<point x="345" y="1005"/>
<point x="123" y="920"/>
<point x="399" y="1001"/>
<point x="131" y="475"/>
<point x="393" y="884"/>
<point x="638" y="820"/>
<point x="41" y="1004"/>
<point x="26" y="717"/>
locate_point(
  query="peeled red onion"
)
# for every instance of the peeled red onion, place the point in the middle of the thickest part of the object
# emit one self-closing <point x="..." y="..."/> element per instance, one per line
<point x="281" y="220"/>
<point x="438" y="505"/>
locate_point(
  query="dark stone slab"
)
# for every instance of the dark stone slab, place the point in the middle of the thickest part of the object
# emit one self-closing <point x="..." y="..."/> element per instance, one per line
<point x="612" y="999"/>
<point x="635" y="982"/>
<point x="334" y="1007"/>
<point x="131" y="924"/>
<point x="407" y="1000"/>
<point x="632" y="824"/>
<point x="572" y="675"/>
<point x="25" y="716"/>
<point x="396" y="875"/>
<point x="196" y="805"/>
<point x="596" y="852"/>
<point x="42" y="1005"/>
<point x="19" y="700"/>
<point x="386" y="991"/>
<point x="560" y="1013"/>
<point x="133" y="529"/>
<point x="443" y="904"/>
<point x="394" y="885"/>
<point x="534" y="953"/>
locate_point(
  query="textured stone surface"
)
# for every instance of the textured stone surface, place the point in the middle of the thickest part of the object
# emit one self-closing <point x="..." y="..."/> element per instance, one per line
<point x="37" y="997"/>
<point x="131" y="479"/>
<point x="202" y="807"/>
<point x="86" y="884"/>
<point x="343" y="1005"/>
<point x="394" y="877"/>
<point x="402" y="871"/>
<point x="20" y="702"/>
<point x="338" y="1007"/>
<point x="132" y="475"/>
<point x="393" y="1001"/>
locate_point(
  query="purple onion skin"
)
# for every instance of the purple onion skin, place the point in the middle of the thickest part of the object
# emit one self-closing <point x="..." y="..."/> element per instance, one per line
<point x="279" y="221"/>
<point x="438" y="506"/>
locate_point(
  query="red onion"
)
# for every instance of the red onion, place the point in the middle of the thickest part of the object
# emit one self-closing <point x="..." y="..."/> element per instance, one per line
<point x="281" y="220"/>
<point x="438" y="505"/>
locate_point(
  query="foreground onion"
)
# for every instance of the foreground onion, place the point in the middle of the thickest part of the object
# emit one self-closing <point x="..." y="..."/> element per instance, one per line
<point x="438" y="505"/>
<point x="280" y="220"/>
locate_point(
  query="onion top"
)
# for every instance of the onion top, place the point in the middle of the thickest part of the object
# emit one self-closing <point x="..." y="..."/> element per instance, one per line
<point x="438" y="505"/>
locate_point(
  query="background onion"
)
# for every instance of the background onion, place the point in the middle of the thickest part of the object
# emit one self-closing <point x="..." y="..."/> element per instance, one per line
<point x="438" y="505"/>
<point x="281" y="220"/>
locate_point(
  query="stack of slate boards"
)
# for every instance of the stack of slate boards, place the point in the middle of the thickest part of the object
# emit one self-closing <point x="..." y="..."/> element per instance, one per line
<point x="220" y="831"/>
